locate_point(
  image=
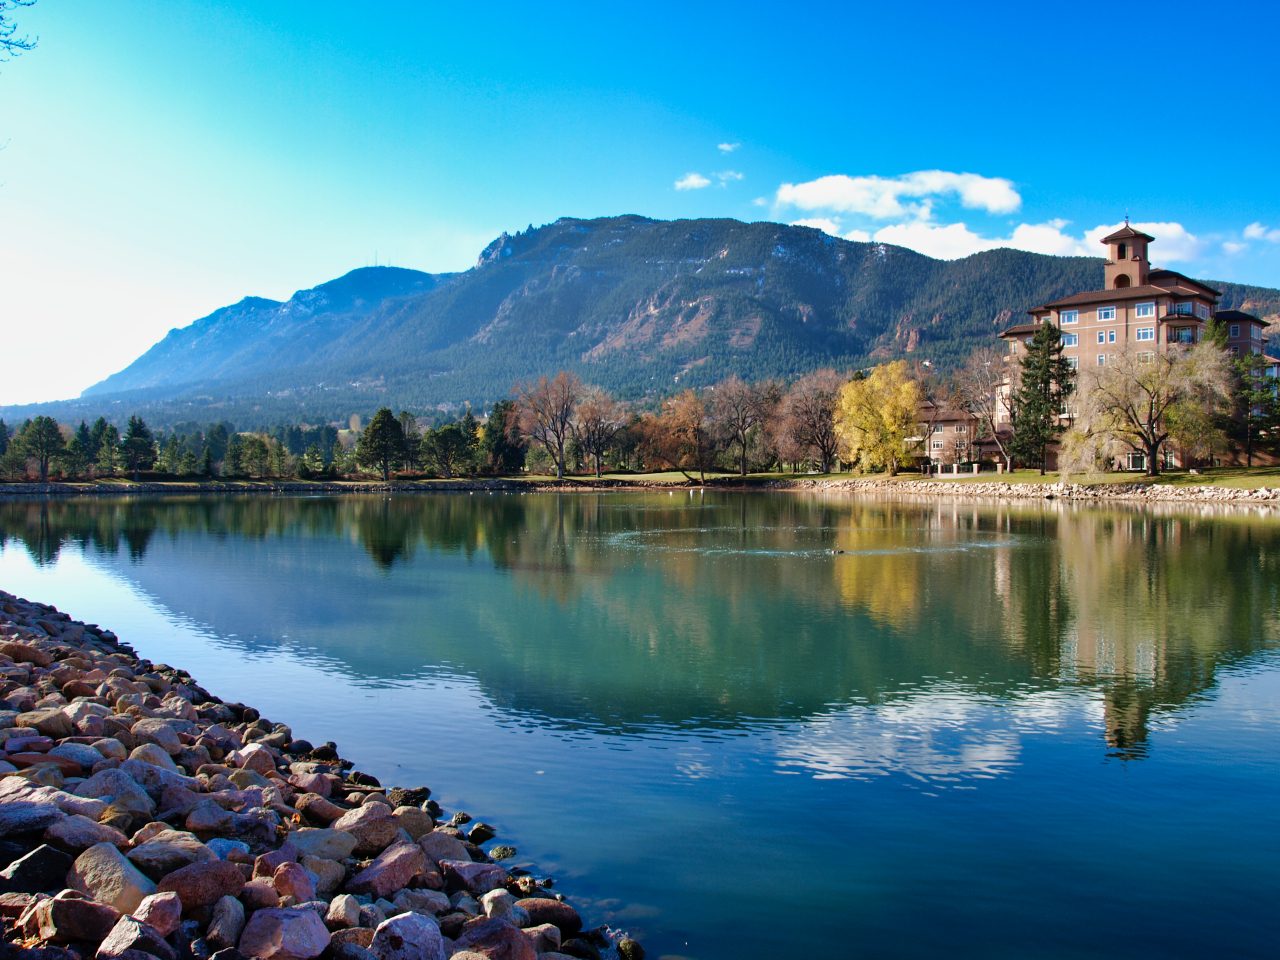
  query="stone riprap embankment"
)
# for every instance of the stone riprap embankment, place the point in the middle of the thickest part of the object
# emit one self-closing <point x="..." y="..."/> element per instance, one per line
<point x="995" y="490"/>
<point x="142" y="818"/>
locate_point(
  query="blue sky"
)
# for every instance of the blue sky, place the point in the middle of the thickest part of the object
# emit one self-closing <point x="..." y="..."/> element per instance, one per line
<point x="162" y="158"/>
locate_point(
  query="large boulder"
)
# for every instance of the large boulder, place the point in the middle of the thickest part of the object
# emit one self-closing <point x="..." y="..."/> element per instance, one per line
<point x="27" y="816"/>
<point x="204" y="884"/>
<point x="443" y="846"/>
<point x="79" y="833"/>
<point x="130" y="938"/>
<point x="121" y="791"/>
<point x="68" y="919"/>
<point x="409" y="936"/>
<point x="324" y="843"/>
<point x="285" y="934"/>
<point x="42" y="869"/>
<point x="162" y="911"/>
<point x="496" y="939"/>
<point x="168" y="851"/>
<point x="226" y="923"/>
<point x="547" y="910"/>
<point x="373" y="826"/>
<point x="158" y="732"/>
<point x="475" y="878"/>
<point x="102" y="873"/>
<point x="393" y="869"/>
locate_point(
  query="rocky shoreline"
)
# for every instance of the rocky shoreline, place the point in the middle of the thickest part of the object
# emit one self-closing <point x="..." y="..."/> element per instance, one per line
<point x="143" y="818"/>
<point x="877" y="486"/>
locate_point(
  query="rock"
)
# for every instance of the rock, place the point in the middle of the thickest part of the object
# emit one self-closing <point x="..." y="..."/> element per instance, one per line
<point x="546" y="910"/>
<point x="503" y="852"/>
<point x="329" y="874"/>
<point x="545" y="937"/>
<point x="102" y="873"/>
<point x="66" y="920"/>
<point x="110" y="748"/>
<point x="203" y="884"/>
<point x="393" y="869"/>
<point x="259" y="893"/>
<point x="25" y="653"/>
<point x="443" y="846"/>
<point x="481" y="833"/>
<point x="207" y="817"/>
<point x="422" y="901"/>
<point x="408" y="796"/>
<point x="245" y="778"/>
<point x="292" y="880"/>
<point x="24" y="816"/>
<point x="285" y="934"/>
<point x="79" y="833"/>
<point x="344" y="911"/>
<point x="80" y="753"/>
<point x="50" y="721"/>
<point x="121" y="791"/>
<point x="43" y="869"/>
<point x="256" y="757"/>
<point x="159" y="733"/>
<point x="317" y="808"/>
<point x="372" y="825"/>
<point x="226" y="923"/>
<point x="168" y="851"/>
<point x="155" y="755"/>
<point x="478" y="878"/>
<point x="414" y="821"/>
<point x="324" y="843"/>
<point x="409" y="936"/>
<point x="162" y="911"/>
<point x="496" y="939"/>
<point x="497" y="903"/>
<point x="224" y="849"/>
<point x="265" y="865"/>
<point x="130" y="937"/>
<point x="582" y="949"/>
<point x="629" y="949"/>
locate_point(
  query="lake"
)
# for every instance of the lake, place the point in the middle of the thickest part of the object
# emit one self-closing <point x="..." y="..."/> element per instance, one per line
<point x="758" y="725"/>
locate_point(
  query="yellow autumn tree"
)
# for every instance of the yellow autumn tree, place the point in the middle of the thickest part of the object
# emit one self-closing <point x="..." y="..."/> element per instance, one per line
<point x="876" y="414"/>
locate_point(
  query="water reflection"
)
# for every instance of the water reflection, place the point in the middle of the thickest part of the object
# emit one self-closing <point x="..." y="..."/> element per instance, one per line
<point x="876" y="631"/>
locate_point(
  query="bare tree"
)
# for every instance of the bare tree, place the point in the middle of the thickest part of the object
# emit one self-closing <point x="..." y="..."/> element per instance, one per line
<point x="598" y="421"/>
<point x="984" y="391"/>
<point x="546" y="413"/>
<point x="808" y="413"/>
<point x="10" y="44"/>
<point x="680" y="437"/>
<point x="738" y="409"/>
<point x="1125" y="405"/>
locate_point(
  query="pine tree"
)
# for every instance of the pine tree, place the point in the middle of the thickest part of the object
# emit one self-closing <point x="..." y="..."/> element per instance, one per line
<point x="381" y="444"/>
<point x="1047" y="382"/>
<point x="41" y="440"/>
<point x="139" y="446"/>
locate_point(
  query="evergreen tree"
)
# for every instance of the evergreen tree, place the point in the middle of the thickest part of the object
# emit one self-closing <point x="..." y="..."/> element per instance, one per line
<point x="206" y="462"/>
<point x="412" y="440"/>
<point x="381" y="444"/>
<point x="108" y="461"/>
<point x="502" y="451"/>
<point x="1047" y="381"/>
<point x="41" y="440"/>
<point x="233" y="461"/>
<point x="139" y="446"/>
<point x="4" y="438"/>
<point x="97" y="435"/>
<point x="84" y="437"/>
<point x="1256" y="417"/>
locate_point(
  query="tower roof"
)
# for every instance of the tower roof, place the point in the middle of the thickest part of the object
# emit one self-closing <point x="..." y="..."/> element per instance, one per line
<point x="1126" y="232"/>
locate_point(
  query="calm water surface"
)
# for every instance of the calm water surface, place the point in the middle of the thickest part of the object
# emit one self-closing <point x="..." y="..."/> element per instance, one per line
<point x="751" y="726"/>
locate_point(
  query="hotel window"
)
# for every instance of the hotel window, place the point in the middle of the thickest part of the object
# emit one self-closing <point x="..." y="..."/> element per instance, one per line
<point x="1182" y="309"/>
<point x="1145" y="356"/>
<point x="938" y="428"/>
<point x="1070" y="339"/>
<point x="1144" y="310"/>
<point x="1069" y="316"/>
<point x="1202" y="311"/>
<point x="1233" y="330"/>
<point x="1111" y="336"/>
<point x="961" y="428"/>
<point x="1102" y="359"/>
<point x="1073" y="363"/>
<point x="1106" y="314"/>
<point x="1145" y="333"/>
<point x="937" y="444"/>
<point x="1102" y="336"/>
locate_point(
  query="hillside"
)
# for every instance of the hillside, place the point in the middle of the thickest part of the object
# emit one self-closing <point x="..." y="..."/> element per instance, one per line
<point x="638" y="306"/>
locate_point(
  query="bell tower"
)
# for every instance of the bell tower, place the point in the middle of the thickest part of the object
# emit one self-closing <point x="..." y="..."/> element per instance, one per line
<point x="1127" y="264"/>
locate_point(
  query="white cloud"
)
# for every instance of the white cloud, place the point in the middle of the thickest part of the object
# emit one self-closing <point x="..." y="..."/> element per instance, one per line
<point x="692" y="181"/>
<point x="1256" y="231"/>
<point x="1232" y="248"/>
<point x="727" y="147"/>
<point x="825" y="224"/>
<point x="729" y="176"/>
<point x="760" y="202"/>
<point x="861" y="236"/>
<point x="948" y="242"/>
<point x="911" y="194"/>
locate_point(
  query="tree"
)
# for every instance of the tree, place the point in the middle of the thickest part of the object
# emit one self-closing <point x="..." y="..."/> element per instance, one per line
<point x="41" y="440"/>
<point x="984" y="392"/>
<point x="138" y="447"/>
<point x="1257" y="403"/>
<point x="875" y="415"/>
<point x="108" y="461"/>
<point x="598" y="420"/>
<point x="412" y="440"/>
<point x="546" y="413"/>
<point x="1046" y="382"/>
<point x="739" y="409"/>
<point x="255" y="455"/>
<point x="808" y="415"/>
<point x="446" y="449"/>
<point x="75" y="462"/>
<point x="680" y="436"/>
<point x="11" y="44"/>
<point x="233" y="459"/>
<point x="4" y="438"/>
<point x="501" y="445"/>
<point x="1125" y="405"/>
<point x="381" y="444"/>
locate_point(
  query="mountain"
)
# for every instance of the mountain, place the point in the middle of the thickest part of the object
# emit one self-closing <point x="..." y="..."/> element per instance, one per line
<point x="639" y="306"/>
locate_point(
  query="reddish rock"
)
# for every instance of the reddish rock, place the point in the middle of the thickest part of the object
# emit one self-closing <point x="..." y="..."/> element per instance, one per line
<point x="292" y="880"/>
<point x="64" y="920"/>
<point x="79" y="833"/>
<point x="545" y="937"/>
<point x="130" y="937"/>
<point x="292" y="934"/>
<point x="259" y="893"/>
<point x="226" y="923"/>
<point x="317" y="808"/>
<point x="266" y="864"/>
<point x="496" y="939"/>
<point x="103" y="874"/>
<point x="409" y="936"/>
<point x="162" y="911"/>
<point x="203" y="884"/>
<point x="546" y="910"/>
<point x="372" y="825"/>
<point x="476" y="878"/>
<point x="393" y="869"/>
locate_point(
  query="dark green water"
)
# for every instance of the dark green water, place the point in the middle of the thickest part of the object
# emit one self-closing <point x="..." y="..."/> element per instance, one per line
<point x="759" y="725"/>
